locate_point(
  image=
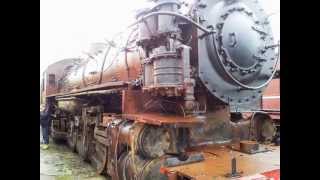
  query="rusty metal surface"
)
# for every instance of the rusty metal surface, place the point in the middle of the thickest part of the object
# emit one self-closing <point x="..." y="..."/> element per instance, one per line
<point x="249" y="146"/>
<point x="274" y="115"/>
<point x="144" y="100"/>
<point x="157" y="119"/>
<point x="123" y="67"/>
<point x="218" y="163"/>
<point x="132" y="101"/>
<point x="122" y="70"/>
<point x="271" y="99"/>
<point x="174" y="161"/>
<point x="57" y="69"/>
<point x="91" y="88"/>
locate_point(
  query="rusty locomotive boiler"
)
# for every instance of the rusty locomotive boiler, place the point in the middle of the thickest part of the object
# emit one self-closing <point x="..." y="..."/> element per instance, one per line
<point x="168" y="84"/>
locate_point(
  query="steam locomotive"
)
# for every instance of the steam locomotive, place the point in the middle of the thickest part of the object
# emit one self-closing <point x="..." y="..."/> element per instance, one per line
<point x="170" y="83"/>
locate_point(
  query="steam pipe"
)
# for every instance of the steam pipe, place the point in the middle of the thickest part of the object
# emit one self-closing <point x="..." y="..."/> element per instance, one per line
<point x="172" y="14"/>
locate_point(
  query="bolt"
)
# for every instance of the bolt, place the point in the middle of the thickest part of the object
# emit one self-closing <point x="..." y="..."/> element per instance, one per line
<point x="243" y="72"/>
<point x="202" y="5"/>
<point x="228" y="60"/>
<point x="219" y="25"/>
<point x="262" y="51"/>
<point x="224" y="16"/>
<point x="259" y="58"/>
<point x="249" y="13"/>
<point x="233" y="9"/>
<point x="272" y="46"/>
<point x="222" y="52"/>
<point x="252" y="70"/>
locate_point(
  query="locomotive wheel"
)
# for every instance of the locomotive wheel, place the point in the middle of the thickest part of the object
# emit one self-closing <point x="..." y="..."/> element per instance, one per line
<point x="151" y="170"/>
<point x="154" y="141"/>
<point x="72" y="137"/>
<point x="264" y="128"/>
<point x="82" y="143"/>
<point x="122" y="166"/>
<point x="55" y="138"/>
<point x="268" y="130"/>
<point x="139" y="168"/>
<point x="80" y="148"/>
<point x="98" y="156"/>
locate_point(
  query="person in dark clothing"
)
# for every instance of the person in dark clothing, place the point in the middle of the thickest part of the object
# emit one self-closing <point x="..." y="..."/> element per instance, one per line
<point x="45" y="122"/>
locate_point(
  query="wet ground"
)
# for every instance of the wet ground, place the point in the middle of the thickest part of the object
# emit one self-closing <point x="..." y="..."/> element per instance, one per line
<point x="60" y="163"/>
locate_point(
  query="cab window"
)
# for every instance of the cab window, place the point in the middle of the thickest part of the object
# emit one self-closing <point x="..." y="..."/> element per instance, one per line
<point x="52" y="80"/>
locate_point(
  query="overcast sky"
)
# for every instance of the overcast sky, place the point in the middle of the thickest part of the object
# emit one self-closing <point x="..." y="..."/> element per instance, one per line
<point x="67" y="27"/>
